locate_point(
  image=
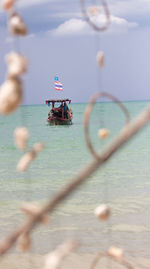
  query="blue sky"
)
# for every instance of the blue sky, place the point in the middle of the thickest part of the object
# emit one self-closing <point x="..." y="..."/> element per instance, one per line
<point x="61" y="43"/>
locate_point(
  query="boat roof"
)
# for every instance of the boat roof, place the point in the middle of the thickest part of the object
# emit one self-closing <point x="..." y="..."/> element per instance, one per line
<point x="57" y="100"/>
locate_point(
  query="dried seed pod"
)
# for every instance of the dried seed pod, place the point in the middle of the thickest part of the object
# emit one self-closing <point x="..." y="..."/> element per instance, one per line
<point x="17" y="25"/>
<point x="54" y="259"/>
<point x="94" y="10"/>
<point x="102" y="212"/>
<point x="7" y="4"/>
<point x="21" y="136"/>
<point x="103" y="133"/>
<point x="24" y="242"/>
<point x="10" y="96"/>
<point x="29" y="157"/>
<point x="17" y="64"/>
<point x="32" y="210"/>
<point x="100" y="59"/>
<point x="116" y="253"/>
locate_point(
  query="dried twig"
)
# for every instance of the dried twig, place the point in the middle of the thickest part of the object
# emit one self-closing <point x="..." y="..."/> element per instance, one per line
<point x="127" y="132"/>
<point x="99" y="256"/>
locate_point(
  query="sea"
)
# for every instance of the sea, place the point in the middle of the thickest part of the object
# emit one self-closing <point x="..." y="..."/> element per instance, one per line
<point x="123" y="182"/>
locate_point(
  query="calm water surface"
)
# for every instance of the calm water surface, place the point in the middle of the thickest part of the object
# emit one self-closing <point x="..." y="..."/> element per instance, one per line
<point x="124" y="182"/>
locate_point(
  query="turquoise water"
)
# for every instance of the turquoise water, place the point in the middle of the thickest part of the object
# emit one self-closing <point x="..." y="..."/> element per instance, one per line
<point x="124" y="181"/>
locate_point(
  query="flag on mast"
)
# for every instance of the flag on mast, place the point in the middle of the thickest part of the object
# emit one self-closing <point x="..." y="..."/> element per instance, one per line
<point x="58" y="84"/>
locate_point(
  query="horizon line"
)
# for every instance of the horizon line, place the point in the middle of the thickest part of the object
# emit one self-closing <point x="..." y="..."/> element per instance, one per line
<point x="107" y="101"/>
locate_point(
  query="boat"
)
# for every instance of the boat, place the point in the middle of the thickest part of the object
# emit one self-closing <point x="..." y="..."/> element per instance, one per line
<point x="60" y="113"/>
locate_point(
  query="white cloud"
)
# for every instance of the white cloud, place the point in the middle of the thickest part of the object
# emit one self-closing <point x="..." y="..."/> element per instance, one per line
<point x="26" y="3"/>
<point x="118" y="7"/>
<point x="79" y="26"/>
<point x="71" y="27"/>
<point x="129" y="7"/>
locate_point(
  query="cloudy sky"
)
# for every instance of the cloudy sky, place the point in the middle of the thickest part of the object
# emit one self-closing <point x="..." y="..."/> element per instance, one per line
<point x="60" y="42"/>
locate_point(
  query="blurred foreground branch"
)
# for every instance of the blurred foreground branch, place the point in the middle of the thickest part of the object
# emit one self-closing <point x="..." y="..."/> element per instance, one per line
<point x="99" y="256"/>
<point x="126" y="133"/>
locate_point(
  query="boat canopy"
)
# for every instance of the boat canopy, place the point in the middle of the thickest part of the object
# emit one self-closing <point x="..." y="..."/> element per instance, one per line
<point x="57" y="101"/>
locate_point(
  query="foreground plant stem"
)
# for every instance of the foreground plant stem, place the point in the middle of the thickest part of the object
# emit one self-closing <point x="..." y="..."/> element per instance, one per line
<point x="126" y="133"/>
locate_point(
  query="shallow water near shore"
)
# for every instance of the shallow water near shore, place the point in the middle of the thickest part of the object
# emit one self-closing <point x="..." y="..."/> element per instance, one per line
<point x="123" y="182"/>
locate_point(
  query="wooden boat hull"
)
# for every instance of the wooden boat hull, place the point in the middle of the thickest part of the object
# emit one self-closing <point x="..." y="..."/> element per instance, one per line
<point x="59" y="121"/>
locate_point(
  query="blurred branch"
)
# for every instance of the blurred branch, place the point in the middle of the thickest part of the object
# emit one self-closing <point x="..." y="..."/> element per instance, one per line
<point x="99" y="256"/>
<point x="126" y="133"/>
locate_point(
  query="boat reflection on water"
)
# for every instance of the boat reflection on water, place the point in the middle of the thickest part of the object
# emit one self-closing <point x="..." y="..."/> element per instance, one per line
<point x="60" y="113"/>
